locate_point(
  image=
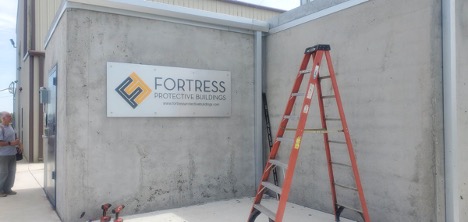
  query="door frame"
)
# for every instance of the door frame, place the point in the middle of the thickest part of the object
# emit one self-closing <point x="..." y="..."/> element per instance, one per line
<point x="52" y="72"/>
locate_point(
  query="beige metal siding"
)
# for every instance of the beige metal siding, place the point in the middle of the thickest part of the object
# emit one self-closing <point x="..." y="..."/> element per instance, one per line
<point x="228" y="8"/>
<point x="30" y="43"/>
<point x="45" y="13"/>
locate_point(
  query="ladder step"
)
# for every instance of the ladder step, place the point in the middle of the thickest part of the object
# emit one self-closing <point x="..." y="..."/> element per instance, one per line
<point x="281" y="139"/>
<point x="350" y="208"/>
<point x="323" y="130"/>
<point x="297" y="94"/>
<point x="337" y="142"/>
<point x="272" y="187"/>
<point x="278" y="163"/>
<point x="324" y="77"/>
<point x="292" y="117"/>
<point x="341" y="164"/>
<point x="328" y="97"/>
<point x="344" y="186"/>
<point x="317" y="130"/>
<point x="265" y="211"/>
<point x="333" y="119"/>
<point x="307" y="71"/>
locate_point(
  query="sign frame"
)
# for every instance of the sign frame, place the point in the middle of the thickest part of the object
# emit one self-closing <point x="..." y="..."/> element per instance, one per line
<point x="135" y="90"/>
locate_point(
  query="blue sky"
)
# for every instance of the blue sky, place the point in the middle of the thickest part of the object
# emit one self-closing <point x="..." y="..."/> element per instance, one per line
<point x="7" y="52"/>
<point x="8" y="31"/>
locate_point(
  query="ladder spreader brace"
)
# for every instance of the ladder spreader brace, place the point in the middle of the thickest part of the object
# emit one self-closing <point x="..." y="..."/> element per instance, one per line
<point x="315" y="54"/>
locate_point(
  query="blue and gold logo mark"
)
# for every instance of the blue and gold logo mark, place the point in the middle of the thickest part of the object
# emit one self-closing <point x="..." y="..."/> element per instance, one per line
<point x="133" y="90"/>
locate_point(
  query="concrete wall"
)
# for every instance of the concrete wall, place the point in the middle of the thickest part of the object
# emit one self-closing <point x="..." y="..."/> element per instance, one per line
<point x="387" y="55"/>
<point x="146" y="163"/>
<point x="461" y="26"/>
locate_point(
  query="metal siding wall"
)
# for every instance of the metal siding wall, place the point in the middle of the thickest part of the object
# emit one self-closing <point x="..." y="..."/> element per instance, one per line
<point x="224" y="8"/>
<point x="40" y="21"/>
<point x="45" y="13"/>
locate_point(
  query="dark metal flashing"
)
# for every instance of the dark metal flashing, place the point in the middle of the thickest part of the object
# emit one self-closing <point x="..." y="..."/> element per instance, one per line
<point x="25" y="27"/>
<point x="41" y="56"/>
<point x="31" y="110"/>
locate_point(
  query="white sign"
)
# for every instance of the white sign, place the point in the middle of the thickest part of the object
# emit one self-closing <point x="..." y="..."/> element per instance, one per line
<point x="135" y="90"/>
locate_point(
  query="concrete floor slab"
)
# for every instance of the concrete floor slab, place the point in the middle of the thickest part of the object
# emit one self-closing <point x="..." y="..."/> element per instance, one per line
<point x="30" y="203"/>
<point x="235" y="210"/>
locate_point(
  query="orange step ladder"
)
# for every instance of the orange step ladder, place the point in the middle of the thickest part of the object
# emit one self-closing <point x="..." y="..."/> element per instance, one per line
<point x="315" y="54"/>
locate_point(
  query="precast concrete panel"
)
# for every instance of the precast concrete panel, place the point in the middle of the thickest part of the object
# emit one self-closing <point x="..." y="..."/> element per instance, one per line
<point x="387" y="57"/>
<point x="461" y="29"/>
<point x="147" y="164"/>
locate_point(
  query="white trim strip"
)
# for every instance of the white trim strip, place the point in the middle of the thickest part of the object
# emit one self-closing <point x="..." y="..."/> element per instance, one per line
<point x="316" y="15"/>
<point x="449" y="70"/>
<point x="55" y="22"/>
<point x="258" y="108"/>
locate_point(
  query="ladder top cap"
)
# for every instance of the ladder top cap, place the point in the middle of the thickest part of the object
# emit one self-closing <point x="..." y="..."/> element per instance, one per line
<point x="317" y="47"/>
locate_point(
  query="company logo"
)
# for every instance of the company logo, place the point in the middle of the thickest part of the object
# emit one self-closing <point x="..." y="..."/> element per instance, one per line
<point x="133" y="90"/>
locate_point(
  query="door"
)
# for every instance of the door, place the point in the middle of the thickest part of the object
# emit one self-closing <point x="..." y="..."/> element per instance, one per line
<point x="50" y="133"/>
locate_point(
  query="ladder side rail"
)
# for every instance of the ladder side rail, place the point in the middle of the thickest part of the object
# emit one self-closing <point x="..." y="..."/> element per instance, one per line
<point x="276" y="144"/>
<point x="261" y="189"/>
<point x="281" y="130"/>
<point x="348" y="138"/>
<point x="298" y="137"/>
<point x="327" y="148"/>
<point x="290" y="105"/>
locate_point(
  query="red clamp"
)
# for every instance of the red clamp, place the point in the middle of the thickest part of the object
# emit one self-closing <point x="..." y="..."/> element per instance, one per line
<point x="104" y="208"/>
<point x="116" y="211"/>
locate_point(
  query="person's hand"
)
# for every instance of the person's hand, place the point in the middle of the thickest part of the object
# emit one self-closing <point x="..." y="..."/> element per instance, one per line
<point x="20" y="146"/>
<point x="16" y="142"/>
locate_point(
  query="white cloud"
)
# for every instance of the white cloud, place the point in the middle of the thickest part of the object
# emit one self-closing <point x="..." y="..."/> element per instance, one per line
<point x="8" y="6"/>
<point x="8" y="14"/>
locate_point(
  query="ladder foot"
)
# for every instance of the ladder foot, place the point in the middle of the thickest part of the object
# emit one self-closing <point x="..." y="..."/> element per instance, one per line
<point x="253" y="215"/>
<point x="338" y="213"/>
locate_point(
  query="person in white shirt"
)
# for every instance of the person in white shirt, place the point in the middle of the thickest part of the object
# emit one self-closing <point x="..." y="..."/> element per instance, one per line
<point x="8" y="143"/>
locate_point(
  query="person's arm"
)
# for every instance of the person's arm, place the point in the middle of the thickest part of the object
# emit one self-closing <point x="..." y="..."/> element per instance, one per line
<point x="12" y="143"/>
